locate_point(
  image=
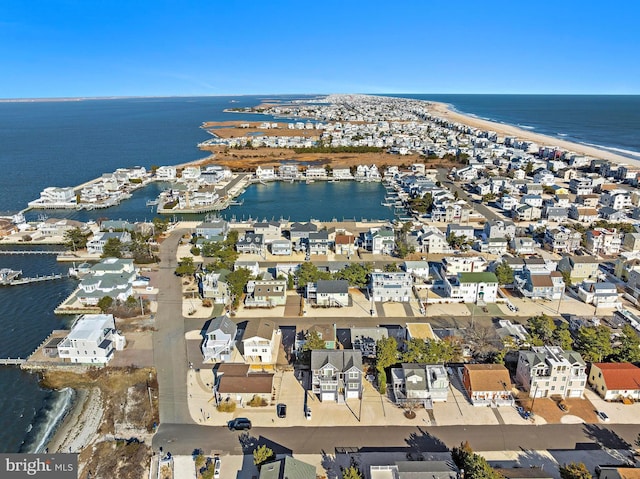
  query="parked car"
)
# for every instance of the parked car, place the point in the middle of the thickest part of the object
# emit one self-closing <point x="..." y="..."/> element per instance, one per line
<point x="281" y="410"/>
<point x="602" y="416"/>
<point x="239" y="424"/>
<point x="563" y="407"/>
<point x="216" y="467"/>
<point x="307" y="413"/>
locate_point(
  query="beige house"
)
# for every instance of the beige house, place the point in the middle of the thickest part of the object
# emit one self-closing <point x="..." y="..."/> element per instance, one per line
<point x="579" y="267"/>
<point x="615" y="381"/>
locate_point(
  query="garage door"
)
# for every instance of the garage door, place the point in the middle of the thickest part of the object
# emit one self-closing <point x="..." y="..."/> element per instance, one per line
<point x="327" y="397"/>
<point x="352" y="394"/>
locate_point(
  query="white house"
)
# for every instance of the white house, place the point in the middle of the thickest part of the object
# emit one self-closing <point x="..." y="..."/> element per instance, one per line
<point x="390" y="286"/>
<point x="93" y="339"/>
<point x="472" y="287"/>
<point x="261" y="342"/>
<point x="547" y="371"/>
<point x="219" y="339"/>
<point x="96" y="244"/>
<point x="601" y="295"/>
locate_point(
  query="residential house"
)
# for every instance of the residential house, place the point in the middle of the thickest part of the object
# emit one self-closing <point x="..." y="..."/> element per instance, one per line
<point x="423" y="384"/>
<point x="588" y="201"/>
<point x="581" y="186"/>
<point x="472" y="287"/>
<point x="380" y="240"/>
<point x="252" y="266"/>
<point x="487" y="385"/>
<point x="615" y="381"/>
<point x="59" y="227"/>
<point x="616" y="199"/>
<point x="515" y="332"/>
<point x="111" y="277"/>
<point x="603" y="241"/>
<point x="464" y="231"/>
<point x="562" y="240"/>
<point x="345" y="244"/>
<point x="342" y="174"/>
<point x="500" y="229"/>
<point x="214" y="288"/>
<point x="96" y="244"/>
<point x="420" y="469"/>
<point x="496" y="246"/>
<point x="526" y="213"/>
<point x="92" y="340"/>
<point x="601" y="295"/>
<point x="287" y="468"/>
<point x="631" y="242"/>
<point x="583" y="214"/>
<point x="580" y="268"/>
<point x="613" y="215"/>
<point x="364" y="339"/>
<point x="326" y="332"/>
<point x="507" y="203"/>
<point x="299" y="234"/>
<point x="556" y="214"/>
<point x="261" y="342"/>
<point x="313" y="172"/>
<point x="547" y="371"/>
<point x="433" y="241"/>
<point x="336" y="375"/>
<point x="532" y="200"/>
<point x="523" y="245"/>
<point x="289" y="172"/>
<point x="166" y="173"/>
<point x="453" y="265"/>
<point x="251" y="243"/>
<point x="265" y="173"/>
<point x="266" y="293"/>
<point x="270" y="230"/>
<point x="219" y="339"/>
<point x="281" y="247"/>
<point x="540" y="284"/>
<point x="328" y="293"/>
<point x="318" y="243"/>
<point x="419" y="269"/>
<point x="545" y="178"/>
<point x="239" y="383"/>
<point x="390" y="286"/>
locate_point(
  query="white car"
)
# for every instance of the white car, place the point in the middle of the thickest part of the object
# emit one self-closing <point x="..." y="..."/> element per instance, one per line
<point x="216" y="468"/>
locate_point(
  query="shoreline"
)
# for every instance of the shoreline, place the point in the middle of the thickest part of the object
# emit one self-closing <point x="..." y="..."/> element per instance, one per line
<point x="79" y="426"/>
<point x="446" y="111"/>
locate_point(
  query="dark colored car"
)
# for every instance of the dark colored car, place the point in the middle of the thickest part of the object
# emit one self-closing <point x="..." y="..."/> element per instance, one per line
<point x="239" y="424"/>
<point x="563" y="407"/>
<point x="281" y="410"/>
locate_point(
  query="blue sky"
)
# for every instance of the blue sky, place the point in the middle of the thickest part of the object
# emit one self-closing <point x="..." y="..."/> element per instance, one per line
<point x="73" y="48"/>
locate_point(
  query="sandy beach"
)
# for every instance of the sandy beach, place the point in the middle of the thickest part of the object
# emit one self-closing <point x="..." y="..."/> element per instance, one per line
<point x="444" y="111"/>
<point x="80" y="426"/>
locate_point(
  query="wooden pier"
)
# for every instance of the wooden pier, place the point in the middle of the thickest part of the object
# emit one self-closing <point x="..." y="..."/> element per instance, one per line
<point x="37" y="279"/>
<point x="15" y="252"/>
<point x="12" y="362"/>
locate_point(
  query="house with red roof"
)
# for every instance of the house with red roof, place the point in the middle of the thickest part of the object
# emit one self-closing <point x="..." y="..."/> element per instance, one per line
<point x="615" y="381"/>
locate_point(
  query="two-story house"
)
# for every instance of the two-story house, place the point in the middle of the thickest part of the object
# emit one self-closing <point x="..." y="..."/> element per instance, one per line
<point x="615" y="381"/>
<point x="479" y="287"/>
<point x="251" y="243"/>
<point x="261" y="343"/>
<point x="270" y="230"/>
<point x="299" y="234"/>
<point x="390" y="286"/>
<point x="380" y="240"/>
<point x="421" y="383"/>
<point x="214" y="288"/>
<point x="92" y="340"/>
<point x="328" y="293"/>
<point x="547" y="371"/>
<point x="96" y="244"/>
<point x="580" y="268"/>
<point x="487" y="384"/>
<point x="336" y="375"/>
<point x="219" y="339"/>
<point x="266" y="293"/>
<point x="318" y="243"/>
<point x="500" y="229"/>
<point x="213" y="230"/>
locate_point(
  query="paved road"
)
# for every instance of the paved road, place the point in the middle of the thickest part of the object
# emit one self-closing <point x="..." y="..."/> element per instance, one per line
<point x="480" y="208"/>
<point x="183" y="439"/>
<point x="169" y="346"/>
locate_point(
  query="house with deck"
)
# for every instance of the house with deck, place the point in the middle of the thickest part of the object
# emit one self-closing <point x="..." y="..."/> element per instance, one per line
<point x="420" y="383"/>
<point x="336" y="375"/>
<point x="92" y="340"/>
<point x="219" y="339"/>
<point x="487" y="385"/>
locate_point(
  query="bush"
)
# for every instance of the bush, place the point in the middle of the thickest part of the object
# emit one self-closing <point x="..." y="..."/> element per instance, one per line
<point x="207" y="303"/>
<point x="195" y="251"/>
<point x="257" y="401"/>
<point x="226" y="406"/>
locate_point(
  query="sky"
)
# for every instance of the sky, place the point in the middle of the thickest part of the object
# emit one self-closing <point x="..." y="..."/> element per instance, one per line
<point x="90" y="48"/>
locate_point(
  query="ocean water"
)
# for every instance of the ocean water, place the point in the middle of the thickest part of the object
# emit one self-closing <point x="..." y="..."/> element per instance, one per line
<point x="610" y="122"/>
<point x="67" y="143"/>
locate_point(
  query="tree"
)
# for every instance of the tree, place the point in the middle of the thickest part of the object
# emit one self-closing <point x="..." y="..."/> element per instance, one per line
<point x="112" y="248"/>
<point x="488" y="198"/>
<point x="75" y="239"/>
<point x="574" y="470"/>
<point x="356" y="274"/>
<point x="391" y="268"/>
<point x="185" y="267"/>
<point x="200" y="461"/>
<point x="528" y="169"/>
<point x="504" y="273"/>
<point x="420" y="351"/>
<point x="562" y="337"/>
<point x="309" y="273"/>
<point x="594" y="343"/>
<point x="261" y="455"/>
<point x="351" y="472"/>
<point x="105" y="303"/>
<point x="629" y="349"/>
<point x="312" y="340"/>
<point x="474" y="465"/>
<point x="542" y="328"/>
<point x="386" y="355"/>
<point x="160" y="225"/>
<point x="237" y="280"/>
<point x="458" y="241"/>
<point x="566" y="277"/>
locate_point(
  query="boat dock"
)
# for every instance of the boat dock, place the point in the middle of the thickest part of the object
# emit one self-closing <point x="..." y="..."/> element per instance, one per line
<point x="15" y="252"/>
<point x="38" y="279"/>
<point x="12" y="362"/>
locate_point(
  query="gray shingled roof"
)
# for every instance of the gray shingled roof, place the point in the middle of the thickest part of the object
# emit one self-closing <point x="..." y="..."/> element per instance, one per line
<point x="343" y="360"/>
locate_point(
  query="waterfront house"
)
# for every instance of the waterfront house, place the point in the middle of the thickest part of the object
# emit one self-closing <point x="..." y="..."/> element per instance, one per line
<point x="235" y="382"/>
<point x="487" y="385"/>
<point x="219" y="339"/>
<point x="547" y="371"/>
<point x="111" y="277"/>
<point x="191" y="173"/>
<point x="318" y="243"/>
<point x="615" y="381"/>
<point x="270" y="230"/>
<point x="287" y="468"/>
<point x="380" y="240"/>
<point x="92" y="340"/>
<point x="166" y="173"/>
<point x="288" y="172"/>
<point x="342" y="174"/>
<point x="55" y="197"/>
<point x="251" y="243"/>
<point x="266" y="293"/>
<point x="281" y="247"/>
<point x="390" y="286"/>
<point x="580" y="268"/>
<point x="59" y="227"/>
<point x="420" y="383"/>
<point x="261" y="342"/>
<point x="265" y="173"/>
<point x="328" y="293"/>
<point x="213" y="230"/>
<point x="299" y="234"/>
<point x="336" y="375"/>
<point x="96" y="244"/>
<point x="315" y="172"/>
<point x="477" y="287"/>
<point x="214" y="288"/>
